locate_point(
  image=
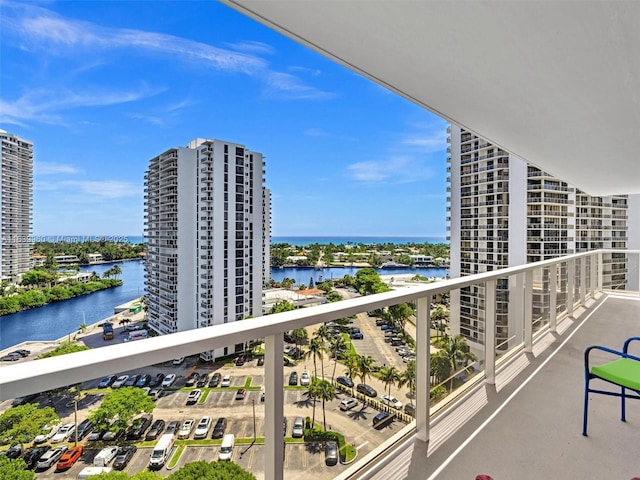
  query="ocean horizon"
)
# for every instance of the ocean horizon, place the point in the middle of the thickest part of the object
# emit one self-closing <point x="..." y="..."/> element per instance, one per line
<point x="300" y="241"/>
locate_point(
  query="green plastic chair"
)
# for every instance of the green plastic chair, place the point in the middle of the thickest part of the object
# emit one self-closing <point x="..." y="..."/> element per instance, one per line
<point x="623" y="372"/>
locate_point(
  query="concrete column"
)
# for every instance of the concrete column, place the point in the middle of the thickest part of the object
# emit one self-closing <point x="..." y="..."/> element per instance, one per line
<point x="490" y="332"/>
<point x="423" y="366"/>
<point x="274" y="407"/>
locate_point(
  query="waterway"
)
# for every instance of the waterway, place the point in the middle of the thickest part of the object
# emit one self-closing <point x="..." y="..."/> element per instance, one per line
<point x="55" y="320"/>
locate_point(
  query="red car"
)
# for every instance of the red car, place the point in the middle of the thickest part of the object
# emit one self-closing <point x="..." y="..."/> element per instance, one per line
<point x="69" y="457"/>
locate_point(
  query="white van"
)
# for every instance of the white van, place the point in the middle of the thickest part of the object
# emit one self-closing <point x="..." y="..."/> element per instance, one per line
<point x="226" y="449"/>
<point x="88" y="472"/>
<point x="104" y="456"/>
<point x="161" y="451"/>
<point x="137" y="335"/>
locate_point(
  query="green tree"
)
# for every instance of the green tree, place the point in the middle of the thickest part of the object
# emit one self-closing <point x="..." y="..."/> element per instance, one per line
<point x="116" y="271"/>
<point x="23" y="423"/>
<point x="439" y="316"/>
<point x="457" y="351"/>
<point x="440" y="366"/>
<point x="282" y="306"/>
<point x="38" y="277"/>
<point x="351" y="367"/>
<point x="333" y="297"/>
<point x="211" y="471"/>
<point x="408" y="378"/>
<point x="63" y="350"/>
<point x="121" y="406"/>
<point x="336" y="346"/>
<point x="400" y="313"/>
<point x="14" y="469"/>
<point x="325" y="392"/>
<point x="389" y="376"/>
<point x="365" y="367"/>
<point x="367" y="281"/>
<point x="325" y="286"/>
<point x="115" y="475"/>
<point x="316" y="350"/>
<point x="298" y="335"/>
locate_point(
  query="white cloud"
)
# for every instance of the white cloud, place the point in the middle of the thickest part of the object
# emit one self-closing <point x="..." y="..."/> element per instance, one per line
<point x="287" y="86"/>
<point x="53" y="168"/>
<point x="92" y="189"/>
<point x="391" y="170"/>
<point x="315" y="132"/>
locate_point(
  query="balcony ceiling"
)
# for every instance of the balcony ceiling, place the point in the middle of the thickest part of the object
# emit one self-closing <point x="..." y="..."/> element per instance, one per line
<point x="555" y="83"/>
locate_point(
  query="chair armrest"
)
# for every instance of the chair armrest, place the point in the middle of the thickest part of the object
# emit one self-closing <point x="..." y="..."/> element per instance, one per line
<point x="604" y="349"/>
<point x="625" y="347"/>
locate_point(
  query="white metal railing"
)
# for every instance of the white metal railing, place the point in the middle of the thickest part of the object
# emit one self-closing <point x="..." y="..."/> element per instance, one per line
<point x="572" y="278"/>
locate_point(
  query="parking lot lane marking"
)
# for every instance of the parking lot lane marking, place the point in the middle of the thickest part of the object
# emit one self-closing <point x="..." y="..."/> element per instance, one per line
<point x="304" y="458"/>
<point x="362" y="445"/>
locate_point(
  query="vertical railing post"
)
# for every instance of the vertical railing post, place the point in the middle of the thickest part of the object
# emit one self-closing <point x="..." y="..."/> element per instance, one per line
<point x="490" y="332"/>
<point x="593" y="264"/>
<point x="516" y="304"/>
<point x="553" y="298"/>
<point x="583" y="281"/>
<point x="273" y="408"/>
<point x="528" y="311"/>
<point x="571" y="285"/>
<point x="423" y="366"/>
<point x="600" y="274"/>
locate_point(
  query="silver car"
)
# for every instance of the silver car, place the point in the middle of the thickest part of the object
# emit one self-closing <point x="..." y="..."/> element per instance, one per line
<point x="50" y="457"/>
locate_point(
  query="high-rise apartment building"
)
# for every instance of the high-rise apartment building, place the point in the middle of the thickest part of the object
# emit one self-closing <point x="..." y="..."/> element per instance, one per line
<point x="16" y="186"/>
<point x="207" y="224"/>
<point x="504" y="212"/>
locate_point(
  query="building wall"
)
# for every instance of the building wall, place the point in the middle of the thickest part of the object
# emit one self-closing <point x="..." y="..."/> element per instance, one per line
<point x="219" y="236"/>
<point x="16" y="190"/>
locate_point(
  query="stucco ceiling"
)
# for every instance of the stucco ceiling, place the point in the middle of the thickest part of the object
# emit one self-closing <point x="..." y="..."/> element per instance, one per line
<point x="556" y="83"/>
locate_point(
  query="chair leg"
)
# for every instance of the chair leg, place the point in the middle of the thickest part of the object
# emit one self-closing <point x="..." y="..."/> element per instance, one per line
<point x="586" y="407"/>
<point x="623" y="416"/>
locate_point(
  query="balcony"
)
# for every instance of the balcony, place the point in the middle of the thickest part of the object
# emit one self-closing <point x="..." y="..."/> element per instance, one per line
<point x="524" y="396"/>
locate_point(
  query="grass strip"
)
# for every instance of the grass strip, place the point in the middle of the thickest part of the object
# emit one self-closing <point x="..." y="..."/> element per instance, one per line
<point x="176" y="457"/>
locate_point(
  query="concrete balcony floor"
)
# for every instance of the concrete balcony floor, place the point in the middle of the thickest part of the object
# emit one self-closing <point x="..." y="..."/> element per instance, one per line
<point x="528" y="425"/>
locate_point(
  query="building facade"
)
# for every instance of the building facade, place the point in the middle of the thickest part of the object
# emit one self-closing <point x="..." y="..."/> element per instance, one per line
<point x="207" y="225"/>
<point x="504" y="212"/>
<point x="16" y="186"/>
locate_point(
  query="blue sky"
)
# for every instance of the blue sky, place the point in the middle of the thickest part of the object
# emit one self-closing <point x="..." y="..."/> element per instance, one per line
<point x="101" y="87"/>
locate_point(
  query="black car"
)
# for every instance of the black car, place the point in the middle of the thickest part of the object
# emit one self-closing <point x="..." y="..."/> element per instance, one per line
<point x="381" y="420"/>
<point x="155" y="430"/>
<point x="293" y="378"/>
<point x="32" y="456"/>
<point x="260" y="361"/>
<point x="23" y="353"/>
<point x="215" y="380"/>
<point x="143" y="381"/>
<point x="156" y="381"/>
<point x="131" y="381"/>
<point x="122" y="460"/>
<point x="192" y="380"/>
<point x="202" y="382"/>
<point x="107" y="381"/>
<point x="219" y="428"/>
<point x="14" y="452"/>
<point x="138" y="427"/>
<point x="173" y="427"/>
<point x="368" y="390"/>
<point x="240" y="361"/>
<point x="346" y="381"/>
<point x="83" y="430"/>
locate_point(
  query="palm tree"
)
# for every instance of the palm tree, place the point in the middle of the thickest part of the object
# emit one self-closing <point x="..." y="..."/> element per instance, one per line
<point x="365" y="367"/>
<point x="335" y="347"/>
<point x="438" y="316"/>
<point x="351" y="364"/>
<point x="408" y="377"/>
<point x="457" y="351"/>
<point x="389" y="376"/>
<point x="316" y="349"/>
<point x="298" y="335"/>
<point x="314" y="392"/>
<point x="326" y="392"/>
<point x="117" y="271"/>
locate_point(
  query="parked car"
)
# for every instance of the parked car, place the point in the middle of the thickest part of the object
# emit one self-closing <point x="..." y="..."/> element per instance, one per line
<point x="240" y="361"/>
<point x="331" y="453"/>
<point x="156" y="380"/>
<point x="69" y="457"/>
<point x="50" y="457"/>
<point x="215" y="380"/>
<point x="186" y="428"/>
<point x="380" y="322"/>
<point x="293" y="379"/>
<point x="131" y="381"/>
<point x="410" y="409"/>
<point x="32" y="456"/>
<point x="226" y="381"/>
<point x="348" y="403"/>
<point x="367" y="390"/>
<point x="391" y="400"/>
<point x="192" y="380"/>
<point x="346" y="381"/>
<point x="107" y="381"/>
<point x="22" y="352"/>
<point x="178" y="361"/>
<point x="113" y="433"/>
<point x="143" y="381"/>
<point x="305" y="379"/>
<point x="15" y="451"/>
<point x="194" y="396"/>
<point x="63" y="433"/>
<point x="155" y="393"/>
<point x="202" y="429"/>
<point x="11" y="357"/>
<point x="173" y="427"/>
<point x="155" y="430"/>
<point x="240" y="394"/>
<point x="260" y="361"/>
<point x="298" y="428"/>
<point x="123" y="458"/>
<point x="168" y="380"/>
<point x="381" y="420"/>
<point x="356" y="336"/>
<point x="219" y="428"/>
<point x="83" y="430"/>
<point x="48" y="431"/>
<point x="120" y="381"/>
<point x="202" y="382"/>
<point x="139" y="427"/>
<point x="105" y="456"/>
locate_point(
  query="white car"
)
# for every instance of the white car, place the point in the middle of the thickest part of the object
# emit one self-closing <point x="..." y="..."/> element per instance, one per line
<point x="185" y="429"/>
<point x="64" y="433"/>
<point x="391" y="400"/>
<point x="168" y="380"/>
<point x="348" y="403"/>
<point x="50" y="457"/>
<point x="305" y="379"/>
<point x="202" y="429"/>
<point x="48" y="432"/>
<point x="178" y="361"/>
<point x="120" y="381"/>
<point x="226" y="381"/>
<point x="194" y="396"/>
